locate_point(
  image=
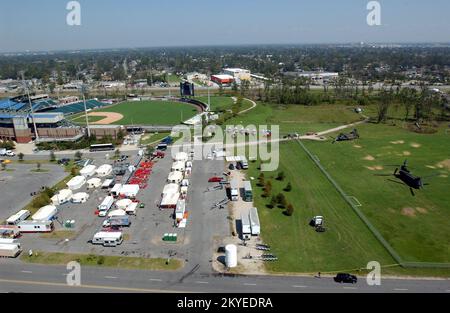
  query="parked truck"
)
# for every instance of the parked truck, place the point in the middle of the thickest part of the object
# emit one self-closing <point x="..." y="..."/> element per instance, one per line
<point x="248" y="193"/>
<point x="117" y="221"/>
<point x="234" y="189"/>
<point x="245" y="226"/>
<point x="108" y="239"/>
<point x="254" y="222"/>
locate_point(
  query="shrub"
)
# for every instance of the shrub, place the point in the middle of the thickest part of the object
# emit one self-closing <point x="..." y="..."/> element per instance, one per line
<point x="289" y="210"/>
<point x="20" y="156"/>
<point x="280" y="176"/>
<point x="288" y="187"/>
<point x="261" y="180"/>
<point x="272" y="203"/>
<point x="267" y="189"/>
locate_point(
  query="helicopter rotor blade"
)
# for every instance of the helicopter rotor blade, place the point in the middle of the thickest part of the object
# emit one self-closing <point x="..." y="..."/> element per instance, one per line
<point x="396" y="170"/>
<point x="412" y="192"/>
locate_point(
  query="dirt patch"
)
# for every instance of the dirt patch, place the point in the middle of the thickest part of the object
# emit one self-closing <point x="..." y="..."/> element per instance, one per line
<point x="357" y="146"/>
<point x="398" y="142"/>
<point x="415" y="145"/>
<point x="406" y="153"/>
<point x="444" y="164"/>
<point x="110" y="117"/>
<point x="409" y="212"/>
<point x="375" y="168"/>
<point x="422" y="210"/>
<point x="369" y="158"/>
<point x="432" y="167"/>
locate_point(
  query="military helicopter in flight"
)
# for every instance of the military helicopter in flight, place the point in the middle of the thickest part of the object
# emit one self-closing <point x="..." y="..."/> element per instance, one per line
<point x="405" y="176"/>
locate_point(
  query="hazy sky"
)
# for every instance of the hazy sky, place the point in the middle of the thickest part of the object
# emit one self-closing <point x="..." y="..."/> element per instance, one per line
<point x="41" y="24"/>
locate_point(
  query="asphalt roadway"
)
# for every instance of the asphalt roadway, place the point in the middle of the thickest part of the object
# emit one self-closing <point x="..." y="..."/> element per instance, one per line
<point x="19" y="277"/>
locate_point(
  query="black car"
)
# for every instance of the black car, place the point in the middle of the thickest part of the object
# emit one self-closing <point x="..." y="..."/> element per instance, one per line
<point x="346" y="278"/>
<point x="64" y="161"/>
<point x="231" y="167"/>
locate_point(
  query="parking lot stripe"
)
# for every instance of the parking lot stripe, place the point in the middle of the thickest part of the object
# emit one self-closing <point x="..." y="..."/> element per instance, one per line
<point x="110" y="277"/>
<point x="248" y="284"/>
<point x="400" y="289"/>
<point x="155" y="279"/>
<point x="201" y="282"/>
<point x="298" y="286"/>
<point x="28" y="272"/>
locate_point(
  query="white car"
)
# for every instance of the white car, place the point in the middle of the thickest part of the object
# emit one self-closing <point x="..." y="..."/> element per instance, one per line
<point x="10" y="153"/>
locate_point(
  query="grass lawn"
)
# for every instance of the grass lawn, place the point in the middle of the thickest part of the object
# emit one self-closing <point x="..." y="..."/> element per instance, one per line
<point x="297" y="118"/>
<point x="59" y="234"/>
<point x="347" y="244"/>
<point x="151" y="112"/>
<point x="104" y="261"/>
<point x="218" y="103"/>
<point x="417" y="227"/>
<point x="148" y="138"/>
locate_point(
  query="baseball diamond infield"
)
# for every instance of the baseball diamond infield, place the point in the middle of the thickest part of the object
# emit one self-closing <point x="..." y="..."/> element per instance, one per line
<point x="110" y="117"/>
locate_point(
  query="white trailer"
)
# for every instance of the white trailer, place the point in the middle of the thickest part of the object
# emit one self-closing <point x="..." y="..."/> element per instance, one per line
<point x="104" y="207"/>
<point x="80" y="197"/>
<point x="88" y="170"/>
<point x="76" y="183"/>
<point x="131" y="209"/>
<point x="107" y="239"/>
<point x="104" y="170"/>
<point x="46" y="213"/>
<point x="35" y="226"/>
<point x="108" y="183"/>
<point x="180" y="209"/>
<point x="94" y="183"/>
<point x="129" y="191"/>
<point x="254" y="222"/>
<point x="115" y="191"/>
<point x="63" y="196"/>
<point x="169" y="200"/>
<point x="234" y="189"/>
<point x="246" y="226"/>
<point x="9" y="250"/>
<point x="175" y="177"/>
<point x="18" y="217"/>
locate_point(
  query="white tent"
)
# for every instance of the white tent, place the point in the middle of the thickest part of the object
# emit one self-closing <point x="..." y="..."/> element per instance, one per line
<point x="129" y="191"/>
<point x="123" y="204"/>
<point x="117" y="213"/>
<point x="62" y="197"/>
<point x="175" y="177"/>
<point x="178" y="166"/>
<point x="80" y="197"/>
<point x="76" y="183"/>
<point x="88" y="171"/>
<point x="171" y="188"/>
<point x="104" y="170"/>
<point x="94" y="183"/>
<point x="45" y="213"/>
<point x="181" y="156"/>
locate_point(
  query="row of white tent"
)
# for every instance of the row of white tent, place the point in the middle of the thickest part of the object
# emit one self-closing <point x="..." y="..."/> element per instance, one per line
<point x="79" y="181"/>
<point x="101" y="171"/>
<point x="66" y="195"/>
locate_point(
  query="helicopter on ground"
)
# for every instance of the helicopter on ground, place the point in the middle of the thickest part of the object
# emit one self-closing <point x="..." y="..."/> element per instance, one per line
<point x="407" y="178"/>
<point x="345" y="137"/>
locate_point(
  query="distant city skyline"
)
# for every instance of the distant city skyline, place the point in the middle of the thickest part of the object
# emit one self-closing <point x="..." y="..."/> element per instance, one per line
<point x="27" y="25"/>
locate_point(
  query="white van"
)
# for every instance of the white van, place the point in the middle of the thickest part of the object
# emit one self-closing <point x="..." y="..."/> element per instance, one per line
<point x="108" y="239"/>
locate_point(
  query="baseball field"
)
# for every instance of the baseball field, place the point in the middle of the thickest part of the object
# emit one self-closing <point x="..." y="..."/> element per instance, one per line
<point x="155" y="112"/>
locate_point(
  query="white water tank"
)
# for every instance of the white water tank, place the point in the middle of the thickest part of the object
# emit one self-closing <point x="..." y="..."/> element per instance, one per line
<point x="230" y="256"/>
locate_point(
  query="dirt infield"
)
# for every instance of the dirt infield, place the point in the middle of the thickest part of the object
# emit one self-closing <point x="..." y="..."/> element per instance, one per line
<point x="110" y="117"/>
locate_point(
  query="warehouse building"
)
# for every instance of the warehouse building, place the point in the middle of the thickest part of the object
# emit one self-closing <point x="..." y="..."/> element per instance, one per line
<point x="238" y="73"/>
<point x="222" y="79"/>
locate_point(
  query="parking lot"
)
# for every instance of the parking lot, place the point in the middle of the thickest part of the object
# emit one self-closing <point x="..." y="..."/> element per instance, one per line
<point x="195" y="244"/>
<point x="19" y="181"/>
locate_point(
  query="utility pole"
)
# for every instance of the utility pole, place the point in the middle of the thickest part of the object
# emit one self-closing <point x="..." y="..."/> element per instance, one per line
<point x="83" y="91"/>
<point x="31" y="107"/>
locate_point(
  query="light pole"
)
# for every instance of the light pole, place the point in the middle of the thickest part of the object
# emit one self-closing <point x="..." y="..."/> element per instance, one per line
<point x="31" y="107"/>
<point x="83" y="91"/>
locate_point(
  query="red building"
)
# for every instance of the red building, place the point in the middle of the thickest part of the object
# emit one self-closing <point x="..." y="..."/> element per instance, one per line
<point x="222" y="79"/>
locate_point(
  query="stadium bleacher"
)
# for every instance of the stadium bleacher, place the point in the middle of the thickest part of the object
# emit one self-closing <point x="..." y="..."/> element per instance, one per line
<point x="78" y="107"/>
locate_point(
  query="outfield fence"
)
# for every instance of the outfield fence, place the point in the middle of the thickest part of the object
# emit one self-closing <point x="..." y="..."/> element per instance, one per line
<point x="366" y="221"/>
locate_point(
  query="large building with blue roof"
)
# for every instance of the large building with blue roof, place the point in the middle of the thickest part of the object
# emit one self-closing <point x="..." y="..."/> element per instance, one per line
<point x="19" y="115"/>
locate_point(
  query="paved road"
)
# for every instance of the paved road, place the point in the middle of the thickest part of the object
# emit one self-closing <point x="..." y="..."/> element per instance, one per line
<point x="17" y="277"/>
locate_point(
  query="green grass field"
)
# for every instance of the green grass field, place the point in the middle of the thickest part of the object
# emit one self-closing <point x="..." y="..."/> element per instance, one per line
<point x="346" y="245"/>
<point x="217" y="103"/>
<point x="148" y="113"/>
<point x="417" y="227"/>
<point x="298" y="118"/>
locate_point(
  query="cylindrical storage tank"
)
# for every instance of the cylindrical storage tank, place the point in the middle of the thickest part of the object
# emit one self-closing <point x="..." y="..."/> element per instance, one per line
<point x="230" y="256"/>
